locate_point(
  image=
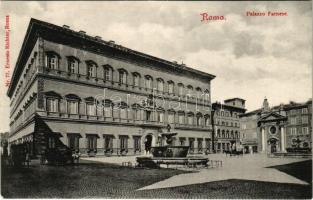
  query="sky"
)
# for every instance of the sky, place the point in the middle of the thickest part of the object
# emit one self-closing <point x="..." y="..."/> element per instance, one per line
<point x="252" y="57"/>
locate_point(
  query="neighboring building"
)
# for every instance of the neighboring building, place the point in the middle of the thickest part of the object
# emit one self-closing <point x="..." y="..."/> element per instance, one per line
<point x="227" y="124"/>
<point x="4" y="143"/>
<point x="279" y="128"/>
<point x="98" y="97"/>
<point x="248" y="128"/>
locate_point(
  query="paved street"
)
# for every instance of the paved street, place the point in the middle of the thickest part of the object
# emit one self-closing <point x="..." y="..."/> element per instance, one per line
<point x="247" y="167"/>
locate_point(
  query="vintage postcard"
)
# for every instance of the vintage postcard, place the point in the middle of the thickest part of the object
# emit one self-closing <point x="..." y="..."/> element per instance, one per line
<point x="152" y="99"/>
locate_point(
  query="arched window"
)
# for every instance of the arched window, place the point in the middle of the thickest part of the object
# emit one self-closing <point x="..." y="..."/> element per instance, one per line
<point x="122" y="79"/>
<point x="73" y="65"/>
<point x="91" y="68"/>
<point x="52" y="60"/>
<point x="160" y="84"/>
<point x="136" y="79"/>
<point x="227" y="134"/>
<point x="232" y="134"/>
<point x="137" y="110"/>
<point x="206" y="95"/>
<point x="190" y="118"/>
<point x="72" y="103"/>
<point x="52" y="101"/>
<point x="108" y="106"/>
<point x="122" y="106"/>
<point x="170" y="87"/>
<point x="223" y="133"/>
<point x="199" y="93"/>
<point x="108" y="72"/>
<point x="190" y="90"/>
<point x="236" y="134"/>
<point x="207" y="120"/>
<point x="199" y="119"/>
<point x="90" y="106"/>
<point x="180" y="89"/>
<point x="148" y="82"/>
<point x="218" y="133"/>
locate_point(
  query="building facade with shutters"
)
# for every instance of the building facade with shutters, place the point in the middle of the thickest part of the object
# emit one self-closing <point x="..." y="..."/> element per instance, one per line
<point x="227" y="124"/>
<point x="69" y="88"/>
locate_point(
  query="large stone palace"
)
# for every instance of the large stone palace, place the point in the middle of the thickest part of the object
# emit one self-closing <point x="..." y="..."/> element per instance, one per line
<point x="98" y="97"/>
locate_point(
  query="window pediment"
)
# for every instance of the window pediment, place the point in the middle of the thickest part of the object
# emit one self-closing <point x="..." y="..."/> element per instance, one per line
<point x="53" y="94"/>
<point x="72" y="97"/>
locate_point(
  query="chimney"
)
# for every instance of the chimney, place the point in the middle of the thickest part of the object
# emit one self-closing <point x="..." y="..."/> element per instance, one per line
<point x="98" y="38"/>
<point x="66" y="26"/>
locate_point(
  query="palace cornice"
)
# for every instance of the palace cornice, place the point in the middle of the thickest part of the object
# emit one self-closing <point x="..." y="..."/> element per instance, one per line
<point x="67" y="36"/>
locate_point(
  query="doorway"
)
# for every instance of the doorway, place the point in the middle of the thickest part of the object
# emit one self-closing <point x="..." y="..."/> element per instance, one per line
<point x="273" y="145"/>
<point x="148" y="143"/>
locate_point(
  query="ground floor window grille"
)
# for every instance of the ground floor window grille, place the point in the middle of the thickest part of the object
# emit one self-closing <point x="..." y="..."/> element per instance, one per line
<point x="73" y="142"/>
<point x="137" y="143"/>
<point x="123" y="143"/>
<point x="92" y="143"/>
<point x="108" y="143"/>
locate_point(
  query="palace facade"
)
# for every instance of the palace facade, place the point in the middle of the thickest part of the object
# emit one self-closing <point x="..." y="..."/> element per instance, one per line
<point x="98" y="97"/>
<point x="281" y="128"/>
<point x="227" y="124"/>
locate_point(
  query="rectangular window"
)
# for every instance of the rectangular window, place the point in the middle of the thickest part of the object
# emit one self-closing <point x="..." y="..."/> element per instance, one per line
<point x="52" y="105"/>
<point x="123" y="77"/>
<point x="148" y="116"/>
<point x="181" y="119"/>
<point x="191" y="144"/>
<point x="305" y="119"/>
<point x="190" y="120"/>
<point x="299" y="120"/>
<point x="123" y="113"/>
<point x="160" y="86"/>
<point x="171" y="118"/>
<point x="72" y="107"/>
<point x="73" y="142"/>
<point x="92" y="142"/>
<point x="305" y="130"/>
<point x="160" y="117"/>
<point x="123" y="142"/>
<point x="107" y="74"/>
<point x="136" y="80"/>
<point x="91" y="71"/>
<point x="52" y="61"/>
<point x="200" y="144"/>
<point x="107" y="111"/>
<point x="108" y="143"/>
<point x="148" y="83"/>
<point x="207" y="143"/>
<point x="304" y="110"/>
<point x="72" y="66"/>
<point x="137" y="143"/>
<point x="90" y="108"/>
<point x="180" y="90"/>
<point x="171" y="88"/>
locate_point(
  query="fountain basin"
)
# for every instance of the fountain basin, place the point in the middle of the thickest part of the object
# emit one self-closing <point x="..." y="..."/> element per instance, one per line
<point x="170" y="151"/>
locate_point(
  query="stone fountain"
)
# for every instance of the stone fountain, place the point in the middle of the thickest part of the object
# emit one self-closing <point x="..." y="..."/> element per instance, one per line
<point x="168" y="150"/>
<point x="169" y="154"/>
